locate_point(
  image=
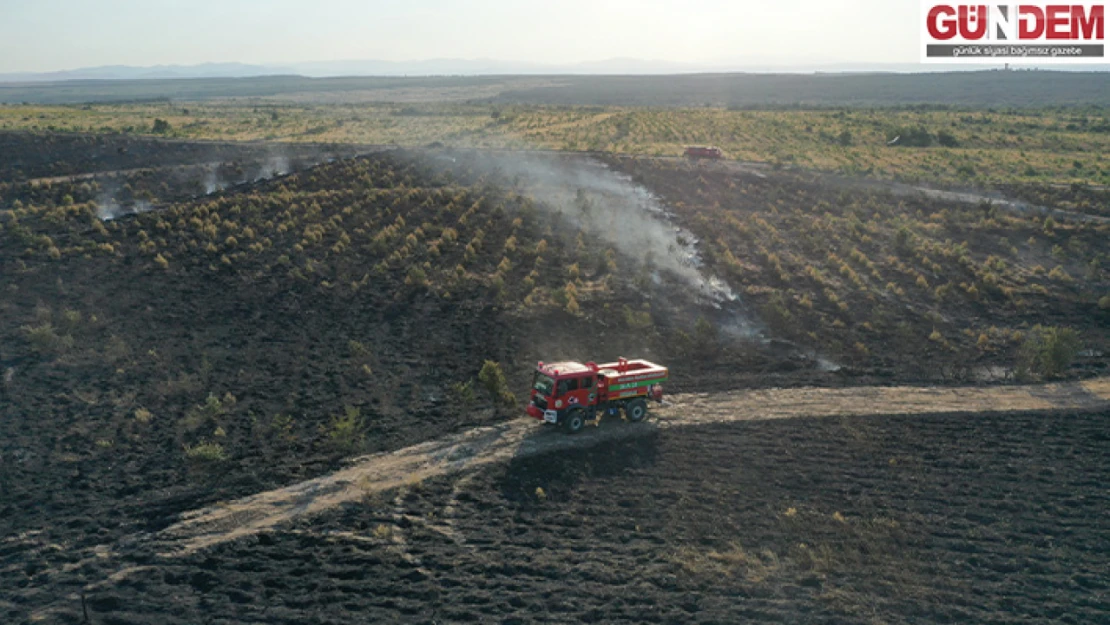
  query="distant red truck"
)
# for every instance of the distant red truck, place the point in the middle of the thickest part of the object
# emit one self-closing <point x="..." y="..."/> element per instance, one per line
<point x="570" y="393"/>
<point x="703" y="151"/>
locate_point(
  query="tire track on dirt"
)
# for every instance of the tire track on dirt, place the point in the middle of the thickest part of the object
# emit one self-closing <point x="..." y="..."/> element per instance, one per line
<point x="468" y="451"/>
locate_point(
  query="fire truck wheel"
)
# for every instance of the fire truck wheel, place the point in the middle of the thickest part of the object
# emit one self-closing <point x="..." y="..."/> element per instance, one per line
<point x="635" y="410"/>
<point x="574" y="421"/>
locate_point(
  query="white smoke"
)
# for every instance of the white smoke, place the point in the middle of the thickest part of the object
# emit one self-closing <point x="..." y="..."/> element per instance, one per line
<point x="611" y="206"/>
<point x="273" y="166"/>
<point x="212" y="182"/>
<point x="108" y="208"/>
<point x="276" y="166"/>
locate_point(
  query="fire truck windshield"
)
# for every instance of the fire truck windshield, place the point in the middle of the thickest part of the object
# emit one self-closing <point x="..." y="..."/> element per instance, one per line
<point x="543" y="384"/>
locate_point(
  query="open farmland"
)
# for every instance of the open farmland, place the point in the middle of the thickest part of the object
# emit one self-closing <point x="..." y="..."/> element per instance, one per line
<point x="955" y="147"/>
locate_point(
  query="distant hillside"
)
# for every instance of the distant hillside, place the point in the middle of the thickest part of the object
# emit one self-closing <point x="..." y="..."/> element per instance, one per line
<point x="965" y="89"/>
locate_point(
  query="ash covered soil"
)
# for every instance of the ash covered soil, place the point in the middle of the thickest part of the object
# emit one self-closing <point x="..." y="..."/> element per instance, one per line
<point x="957" y="518"/>
<point x="250" y="323"/>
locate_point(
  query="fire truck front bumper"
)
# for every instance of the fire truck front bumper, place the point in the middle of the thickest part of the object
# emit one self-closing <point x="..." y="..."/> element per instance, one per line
<point x="549" y="416"/>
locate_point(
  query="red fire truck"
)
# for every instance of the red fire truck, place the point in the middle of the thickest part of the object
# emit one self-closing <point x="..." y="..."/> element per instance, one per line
<point x="701" y="151"/>
<point x="571" y="393"/>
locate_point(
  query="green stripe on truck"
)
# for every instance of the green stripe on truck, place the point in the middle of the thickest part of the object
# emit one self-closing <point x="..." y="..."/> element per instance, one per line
<point x="621" y="387"/>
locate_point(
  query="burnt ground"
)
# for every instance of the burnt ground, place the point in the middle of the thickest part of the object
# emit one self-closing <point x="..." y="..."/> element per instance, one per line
<point x="957" y="518"/>
<point x="35" y="155"/>
<point x="112" y="366"/>
<point x="108" y="359"/>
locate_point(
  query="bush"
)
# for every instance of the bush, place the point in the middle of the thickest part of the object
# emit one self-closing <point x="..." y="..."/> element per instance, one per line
<point x="416" y="277"/>
<point x="345" y="432"/>
<point x="493" y="378"/>
<point x="572" y="306"/>
<point x="1104" y="302"/>
<point x="206" y="452"/>
<point x="705" y="332"/>
<point x="463" y="393"/>
<point x="45" y="340"/>
<point x="903" y="240"/>
<point x="208" y="412"/>
<point x="637" y="320"/>
<point x="1049" y="227"/>
<point x="1048" y="351"/>
<point x="358" y="349"/>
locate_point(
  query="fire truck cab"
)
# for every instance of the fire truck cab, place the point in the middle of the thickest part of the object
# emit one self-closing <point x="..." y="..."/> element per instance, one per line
<point x="571" y="393"/>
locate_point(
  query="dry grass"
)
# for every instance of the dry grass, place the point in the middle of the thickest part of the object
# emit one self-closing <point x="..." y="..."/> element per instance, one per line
<point x="733" y="561"/>
<point x="1029" y="145"/>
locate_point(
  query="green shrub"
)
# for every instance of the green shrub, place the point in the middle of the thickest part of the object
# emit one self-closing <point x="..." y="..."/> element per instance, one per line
<point x="206" y="452"/>
<point x="281" y="427"/>
<point x="1049" y="226"/>
<point x="463" y="393"/>
<point x="358" y="349"/>
<point x="1048" y="351"/>
<point x="637" y="320"/>
<point x="776" y="313"/>
<point x="345" y="432"/>
<point x="45" y="339"/>
<point x="705" y="332"/>
<point x="493" y="378"/>
<point x="203" y="414"/>
<point x="1104" y="302"/>
<point x="416" y="277"/>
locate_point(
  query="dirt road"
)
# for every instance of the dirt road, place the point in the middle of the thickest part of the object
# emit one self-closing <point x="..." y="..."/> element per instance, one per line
<point x="523" y="437"/>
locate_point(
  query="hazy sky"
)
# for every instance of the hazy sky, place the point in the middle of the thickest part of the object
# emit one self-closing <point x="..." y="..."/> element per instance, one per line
<point x="44" y="35"/>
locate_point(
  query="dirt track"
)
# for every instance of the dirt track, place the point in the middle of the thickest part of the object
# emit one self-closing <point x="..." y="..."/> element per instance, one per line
<point x="312" y="514"/>
<point x="523" y="438"/>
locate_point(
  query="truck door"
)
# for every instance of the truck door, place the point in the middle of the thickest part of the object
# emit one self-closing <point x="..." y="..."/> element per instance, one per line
<point x="567" y="396"/>
<point x="589" y="389"/>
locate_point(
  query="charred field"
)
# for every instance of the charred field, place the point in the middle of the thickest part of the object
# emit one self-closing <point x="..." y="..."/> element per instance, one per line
<point x="958" y="518"/>
<point x="193" y="347"/>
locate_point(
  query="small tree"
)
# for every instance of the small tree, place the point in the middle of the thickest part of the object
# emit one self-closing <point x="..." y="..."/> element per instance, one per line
<point x="493" y="378"/>
<point x="345" y="432"/>
<point x="705" y="332"/>
<point x="1048" y="351"/>
<point x="161" y="127"/>
<point x="1049" y="225"/>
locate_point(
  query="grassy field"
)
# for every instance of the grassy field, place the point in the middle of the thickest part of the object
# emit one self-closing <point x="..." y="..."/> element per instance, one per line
<point x="968" y="148"/>
<point x="968" y="89"/>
